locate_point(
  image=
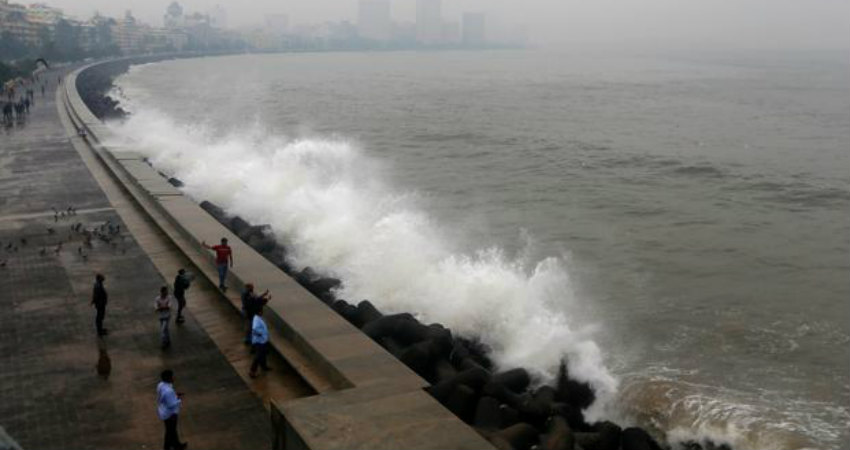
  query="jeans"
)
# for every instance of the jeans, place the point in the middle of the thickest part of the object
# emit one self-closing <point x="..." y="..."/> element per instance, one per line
<point x="260" y="357"/>
<point x="98" y="319"/>
<point x="172" y="440"/>
<point x="222" y="274"/>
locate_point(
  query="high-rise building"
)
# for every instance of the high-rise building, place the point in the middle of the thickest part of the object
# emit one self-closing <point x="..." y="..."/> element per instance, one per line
<point x="14" y="19"/>
<point x="127" y="34"/>
<point x="277" y="24"/>
<point x="474" y="29"/>
<point x="429" y="21"/>
<point x="173" y="17"/>
<point x="218" y="17"/>
<point x="451" y="33"/>
<point x="374" y="19"/>
<point x="41" y="14"/>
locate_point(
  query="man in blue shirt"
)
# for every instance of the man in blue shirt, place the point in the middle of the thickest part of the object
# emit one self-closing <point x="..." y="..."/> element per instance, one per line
<point x="251" y="303"/>
<point x="168" y="407"/>
<point x="260" y="341"/>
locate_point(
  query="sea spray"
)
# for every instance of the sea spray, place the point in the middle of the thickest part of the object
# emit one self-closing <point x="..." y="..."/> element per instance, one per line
<point x="329" y="203"/>
<point x="808" y="391"/>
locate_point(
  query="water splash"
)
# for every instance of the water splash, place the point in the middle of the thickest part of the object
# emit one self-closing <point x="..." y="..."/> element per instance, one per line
<point x="329" y="202"/>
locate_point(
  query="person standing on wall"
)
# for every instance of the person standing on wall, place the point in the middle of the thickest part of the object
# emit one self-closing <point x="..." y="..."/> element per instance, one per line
<point x="168" y="408"/>
<point x="162" y="305"/>
<point x="260" y="342"/>
<point x="98" y="300"/>
<point x="223" y="256"/>
<point x="181" y="283"/>
<point x="251" y="304"/>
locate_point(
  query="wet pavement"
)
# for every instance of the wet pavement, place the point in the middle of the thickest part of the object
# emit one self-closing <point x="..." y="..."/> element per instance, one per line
<point x="60" y="385"/>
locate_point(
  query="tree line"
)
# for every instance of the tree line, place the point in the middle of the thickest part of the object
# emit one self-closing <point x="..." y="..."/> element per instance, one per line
<point x="64" y="43"/>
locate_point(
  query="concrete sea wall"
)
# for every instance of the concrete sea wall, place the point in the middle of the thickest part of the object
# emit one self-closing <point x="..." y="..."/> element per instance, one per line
<point x="366" y="397"/>
<point x="383" y="381"/>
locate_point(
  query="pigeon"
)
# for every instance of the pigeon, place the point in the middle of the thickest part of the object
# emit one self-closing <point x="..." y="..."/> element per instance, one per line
<point x="43" y="251"/>
<point x="50" y="230"/>
<point x="3" y="263"/>
<point x="23" y="241"/>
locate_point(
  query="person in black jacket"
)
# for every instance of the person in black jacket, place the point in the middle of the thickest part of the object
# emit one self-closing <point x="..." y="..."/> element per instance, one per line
<point x="251" y="303"/>
<point x="98" y="299"/>
<point x="181" y="283"/>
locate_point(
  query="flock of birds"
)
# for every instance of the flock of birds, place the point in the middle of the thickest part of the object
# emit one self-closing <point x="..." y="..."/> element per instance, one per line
<point x="55" y="241"/>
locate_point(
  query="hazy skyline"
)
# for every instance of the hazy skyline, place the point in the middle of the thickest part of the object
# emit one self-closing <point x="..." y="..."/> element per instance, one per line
<point x="769" y="24"/>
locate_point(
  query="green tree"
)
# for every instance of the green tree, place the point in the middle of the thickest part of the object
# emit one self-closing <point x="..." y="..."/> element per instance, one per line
<point x="66" y="38"/>
<point x="11" y="48"/>
<point x="104" y="43"/>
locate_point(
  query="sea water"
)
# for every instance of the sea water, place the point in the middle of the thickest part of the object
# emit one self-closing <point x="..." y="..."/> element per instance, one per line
<point x="676" y="225"/>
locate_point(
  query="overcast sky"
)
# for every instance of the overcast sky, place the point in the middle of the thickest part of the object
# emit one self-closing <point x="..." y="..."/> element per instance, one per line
<point x="798" y="24"/>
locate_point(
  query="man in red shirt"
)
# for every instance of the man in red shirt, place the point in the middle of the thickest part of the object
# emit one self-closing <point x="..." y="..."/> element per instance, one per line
<point x="223" y="255"/>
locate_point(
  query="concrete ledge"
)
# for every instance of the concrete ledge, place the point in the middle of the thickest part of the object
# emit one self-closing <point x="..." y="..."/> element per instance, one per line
<point x="373" y="400"/>
<point x="377" y="417"/>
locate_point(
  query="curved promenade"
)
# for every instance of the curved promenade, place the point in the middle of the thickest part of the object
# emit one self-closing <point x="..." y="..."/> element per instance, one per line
<point x="60" y="386"/>
<point x="365" y="397"/>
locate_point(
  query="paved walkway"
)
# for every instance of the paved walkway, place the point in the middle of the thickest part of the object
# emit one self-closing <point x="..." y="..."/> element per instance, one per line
<point x="61" y="386"/>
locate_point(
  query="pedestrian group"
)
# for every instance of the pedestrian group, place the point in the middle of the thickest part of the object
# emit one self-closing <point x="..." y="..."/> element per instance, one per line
<point x="169" y="401"/>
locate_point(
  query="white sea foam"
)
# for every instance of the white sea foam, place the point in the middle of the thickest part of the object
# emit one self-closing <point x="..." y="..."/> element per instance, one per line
<point x="692" y="412"/>
<point x="327" y="200"/>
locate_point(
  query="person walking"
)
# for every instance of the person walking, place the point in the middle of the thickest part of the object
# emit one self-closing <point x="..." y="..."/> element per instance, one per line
<point x="260" y="343"/>
<point x="223" y="255"/>
<point x="181" y="283"/>
<point x="251" y="303"/>
<point x="162" y="305"/>
<point x="98" y="300"/>
<point x="168" y="409"/>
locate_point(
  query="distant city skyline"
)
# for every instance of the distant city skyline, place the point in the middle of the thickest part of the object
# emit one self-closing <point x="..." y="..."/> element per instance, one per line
<point x="744" y="23"/>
